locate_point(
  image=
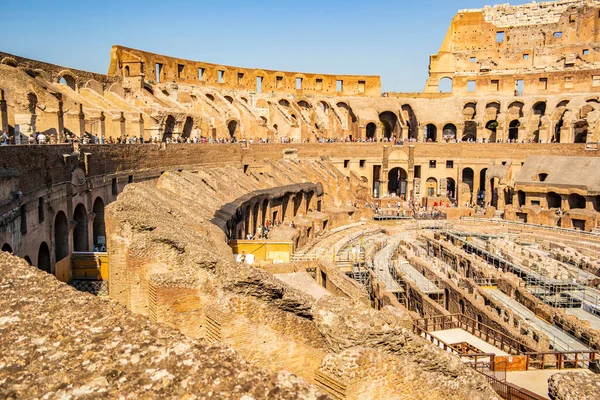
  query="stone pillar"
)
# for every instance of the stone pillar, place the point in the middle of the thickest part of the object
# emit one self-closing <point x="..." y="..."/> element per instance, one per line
<point x="3" y="112"/>
<point x="81" y="121"/>
<point x="102" y="126"/>
<point x="122" y="125"/>
<point x="90" y="229"/>
<point x="410" y="185"/>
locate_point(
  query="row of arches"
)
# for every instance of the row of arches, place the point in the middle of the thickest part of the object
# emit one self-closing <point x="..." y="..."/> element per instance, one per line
<point x="43" y="258"/>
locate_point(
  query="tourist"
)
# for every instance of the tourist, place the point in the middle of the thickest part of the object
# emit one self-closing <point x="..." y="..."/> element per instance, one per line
<point x="41" y="138"/>
<point x="3" y="139"/>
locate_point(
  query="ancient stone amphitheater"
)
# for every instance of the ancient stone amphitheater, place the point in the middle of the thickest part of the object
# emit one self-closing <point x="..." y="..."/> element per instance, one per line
<point x="193" y="230"/>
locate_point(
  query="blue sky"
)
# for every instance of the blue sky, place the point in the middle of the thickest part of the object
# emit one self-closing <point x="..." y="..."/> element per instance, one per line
<point x="392" y="38"/>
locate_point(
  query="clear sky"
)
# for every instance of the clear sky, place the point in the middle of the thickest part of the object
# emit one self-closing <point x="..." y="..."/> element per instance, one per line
<point x="390" y="38"/>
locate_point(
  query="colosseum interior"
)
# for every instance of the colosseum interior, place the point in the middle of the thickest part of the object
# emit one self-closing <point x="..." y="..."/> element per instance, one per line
<point x="194" y="230"/>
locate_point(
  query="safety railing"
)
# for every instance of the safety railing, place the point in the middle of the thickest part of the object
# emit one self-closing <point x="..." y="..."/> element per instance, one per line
<point x="561" y="359"/>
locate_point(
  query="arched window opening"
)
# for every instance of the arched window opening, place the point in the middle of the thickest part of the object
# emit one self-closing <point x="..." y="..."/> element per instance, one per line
<point x="371" y="128"/>
<point x="397" y="182"/>
<point x="430" y="133"/>
<point x="554" y="200"/>
<point x="232" y="128"/>
<point x="69" y="81"/>
<point x="576" y="201"/>
<point x="7" y="248"/>
<point x="44" y="258"/>
<point x="61" y="236"/>
<point x="80" y="234"/>
<point x="492" y="127"/>
<point x="445" y="85"/>
<point x="521" y="198"/>
<point x="187" y="127"/>
<point x="449" y="132"/>
<point x="513" y="130"/>
<point x="389" y="123"/>
<point x="99" y="228"/>
<point x="468" y="177"/>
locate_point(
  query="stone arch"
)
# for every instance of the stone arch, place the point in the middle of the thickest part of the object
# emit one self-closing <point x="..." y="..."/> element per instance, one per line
<point x="61" y="236"/>
<point x="229" y="99"/>
<point x="44" y="258"/>
<point x="554" y="200"/>
<point x="232" y="127"/>
<point x="398" y="181"/>
<point x="411" y="121"/>
<point x="431" y="186"/>
<point x="445" y="85"/>
<point x="67" y="78"/>
<point x="10" y="61"/>
<point x="513" y="129"/>
<point x="449" y="132"/>
<point x="451" y="188"/>
<point x="324" y="107"/>
<point x="539" y="108"/>
<point x="430" y="133"/>
<point x="7" y="248"/>
<point x="210" y="97"/>
<point x="304" y="104"/>
<point x="127" y="73"/>
<point x="348" y="109"/>
<point x="389" y="122"/>
<point x="187" y="127"/>
<point x="245" y="100"/>
<point x="516" y="107"/>
<point x="470" y="131"/>
<point x="492" y="127"/>
<point x="80" y="233"/>
<point x="28" y="259"/>
<point x="576" y="201"/>
<point x="469" y="110"/>
<point x="98" y="226"/>
<point x="468" y="177"/>
<point x="493" y="105"/>
<point x="169" y="128"/>
<point x="581" y="131"/>
<point x="371" y="130"/>
<point x="284" y="103"/>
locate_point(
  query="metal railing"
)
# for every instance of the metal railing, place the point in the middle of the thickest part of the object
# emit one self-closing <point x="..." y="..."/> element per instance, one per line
<point x="508" y="391"/>
<point x="561" y="360"/>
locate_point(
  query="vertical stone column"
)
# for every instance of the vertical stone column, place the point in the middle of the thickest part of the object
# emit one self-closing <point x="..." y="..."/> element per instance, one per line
<point x="3" y="112"/>
<point x="81" y="121"/>
<point x="410" y="185"/>
<point x="102" y="126"/>
<point x="122" y="125"/>
<point x="383" y="181"/>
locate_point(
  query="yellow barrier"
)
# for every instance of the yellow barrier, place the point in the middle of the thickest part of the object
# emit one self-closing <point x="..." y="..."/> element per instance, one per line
<point x="63" y="269"/>
<point x="90" y="266"/>
<point x="263" y="250"/>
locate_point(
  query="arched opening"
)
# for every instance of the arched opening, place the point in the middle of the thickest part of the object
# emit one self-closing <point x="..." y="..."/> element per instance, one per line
<point x="521" y="198"/>
<point x="80" y="234"/>
<point x="539" y="108"/>
<point x="33" y="100"/>
<point x="61" y="236"/>
<point x="557" y="129"/>
<point x="127" y="71"/>
<point x="451" y="188"/>
<point x="7" y="248"/>
<point x="430" y="133"/>
<point x="468" y="177"/>
<point x="187" y="127"/>
<point x="169" y="128"/>
<point x="397" y="182"/>
<point x="324" y="107"/>
<point x="69" y="81"/>
<point x="389" y="123"/>
<point x="554" y="200"/>
<point x="492" y="127"/>
<point x="229" y="99"/>
<point x="513" y="130"/>
<point x="28" y="260"/>
<point x="304" y="104"/>
<point x="432" y="186"/>
<point x="516" y="108"/>
<point x="411" y="121"/>
<point x="99" y="229"/>
<point x="284" y="103"/>
<point x="371" y="129"/>
<point x="44" y="258"/>
<point x="576" y="201"/>
<point x="470" y="131"/>
<point x="581" y="131"/>
<point x="445" y="85"/>
<point x="232" y="127"/>
<point x="449" y="132"/>
<point x="461" y="303"/>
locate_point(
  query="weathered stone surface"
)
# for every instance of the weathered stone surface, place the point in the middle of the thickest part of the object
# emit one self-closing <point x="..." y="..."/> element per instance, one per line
<point x="574" y="386"/>
<point x="59" y="343"/>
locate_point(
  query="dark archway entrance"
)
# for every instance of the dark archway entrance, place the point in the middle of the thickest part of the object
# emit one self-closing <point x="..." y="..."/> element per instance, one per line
<point x="513" y="130"/>
<point x="44" y="258"/>
<point x="397" y="182"/>
<point x="80" y="234"/>
<point x="169" y="128"/>
<point x="521" y="198"/>
<point x="389" y="122"/>
<point x="232" y="127"/>
<point x="61" y="236"/>
<point x="492" y="127"/>
<point x="451" y="188"/>
<point x="187" y="127"/>
<point x="468" y="177"/>
<point x="576" y="201"/>
<point x="371" y="129"/>
<point x="430" y="133"/>
<point x="554" y="200"/>
<point x="99" y="229"/>
<point x="470" y="131"/>
<point x="581" y="131"/>
<point x="6" y="247"/>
